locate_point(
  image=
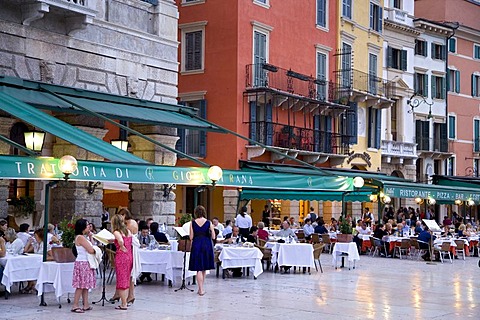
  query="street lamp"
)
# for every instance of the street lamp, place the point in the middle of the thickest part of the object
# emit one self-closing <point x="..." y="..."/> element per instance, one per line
<point x="34" y="140"/>
<point x="120" y="144"/>
<point x="215" y="173"/>
<point x="67" y="164"/>
<point x="416" y="100"/>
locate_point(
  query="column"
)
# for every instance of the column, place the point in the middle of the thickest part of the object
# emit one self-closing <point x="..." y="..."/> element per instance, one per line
<point x="5" y="126"/>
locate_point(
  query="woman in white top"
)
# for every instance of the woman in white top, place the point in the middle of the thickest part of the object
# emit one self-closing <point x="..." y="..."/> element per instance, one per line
<point x="14" y="244"/>
<point x="244" y="222"/>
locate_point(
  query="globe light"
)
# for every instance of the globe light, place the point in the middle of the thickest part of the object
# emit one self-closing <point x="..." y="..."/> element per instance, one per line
<point x="215" y="173"/>
<point x="67" y="164"/>
<point x="358" y="182"/>
<point x="418" y="200"/>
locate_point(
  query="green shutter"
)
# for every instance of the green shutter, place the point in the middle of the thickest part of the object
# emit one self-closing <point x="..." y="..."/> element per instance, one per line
<point x="457" y="81"/>
<point x="380" y="16"/>
<point x="474" y="85"/>
<point x="389" y="57"/>
<point x="378" y="127"/>
<point x="253" y="120"/>
<point x="449" y="80"/>
<point x="451" y="127"/>
<point x="443" y="88"/>
<point x="452" y="45"/>
<point x="403" y="60"/>
<point x="425" y="85"/>
<point x="434" y="87"/>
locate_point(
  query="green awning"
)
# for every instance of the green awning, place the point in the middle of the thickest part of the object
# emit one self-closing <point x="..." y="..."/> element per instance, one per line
<point x="265" y="194"/>
<point x="63" y="130"/>
<point x="426" y="191"/>
<point x="110" y="105"/>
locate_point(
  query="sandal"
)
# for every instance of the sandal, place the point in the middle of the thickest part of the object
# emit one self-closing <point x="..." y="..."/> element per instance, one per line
<point x="88" y="309"/>
<point x="77" y="310"/>
<point x="120" y="308"/>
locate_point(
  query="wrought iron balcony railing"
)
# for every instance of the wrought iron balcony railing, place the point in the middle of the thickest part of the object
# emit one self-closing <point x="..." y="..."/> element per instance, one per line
<point x="268" y="76"/>
<point x="431" y="144"/>
<point x="367" y="83"/>
<point x="299" y="138"/>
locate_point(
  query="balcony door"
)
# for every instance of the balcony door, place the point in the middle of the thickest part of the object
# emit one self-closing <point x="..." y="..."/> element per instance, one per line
<point x="259" y="59"/>
<point x="261" y="126"/>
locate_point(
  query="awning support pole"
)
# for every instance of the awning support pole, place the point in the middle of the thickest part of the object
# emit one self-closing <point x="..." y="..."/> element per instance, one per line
<point x="49" y="186"/>
<point x="134" y="132"/>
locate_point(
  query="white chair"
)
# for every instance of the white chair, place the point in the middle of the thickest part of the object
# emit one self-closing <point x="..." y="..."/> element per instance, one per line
<point x="444" y="250"/>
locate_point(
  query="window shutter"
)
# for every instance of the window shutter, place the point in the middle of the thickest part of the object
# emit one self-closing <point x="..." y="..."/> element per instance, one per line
<point x="378" y="129"/>
<point x="432" y="49"/>
<point x="444" y="89"/>
<point x="198" y="50"/>
<point x="352" y="117"/>
<point x="474" y="85"/>
<point x="203" y="133"/>
<point x="457" y="81"/>
<point x="316" y="133"/>
<point x="321" y="14"/>
<point x="328" y="134"/>
<point x="451" y="127"/>
<point x="370" y="127"/>
<point x="425" y="85"/>
<point x="476" y="133"/>
<point x="444" y="52"/>
<point x="449" y="80"/>
<point x="389" y="57"/>
<point x="403" y="61"/>
<point x="189" y="50"/>
<point x="253" y="121"/>
<point x="380" y="21"/>
<point x="372" y="8"/>
<point x="434" y="87"/>
<point x="418" y="133"/>
<point x="268" y="118"/>
<point x="452" y="44"/>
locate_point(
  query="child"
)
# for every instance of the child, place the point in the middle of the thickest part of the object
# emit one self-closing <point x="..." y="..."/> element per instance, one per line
<point x="83" y="275"/>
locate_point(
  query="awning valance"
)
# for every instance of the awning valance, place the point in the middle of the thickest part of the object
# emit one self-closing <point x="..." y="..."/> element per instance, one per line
<point x="266" y="194"/>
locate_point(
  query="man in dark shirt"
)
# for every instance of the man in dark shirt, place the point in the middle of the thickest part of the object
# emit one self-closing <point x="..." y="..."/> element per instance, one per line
<point x="159" y="236"/>
<point x="320" y="228"/>
<point x="424" y="242"/>
<point x="378" y="234"/>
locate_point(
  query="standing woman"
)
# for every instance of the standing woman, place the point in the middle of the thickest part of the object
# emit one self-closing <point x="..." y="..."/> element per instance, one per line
<point x="132" y="226"/>
<point x="244" y="222"/>
<point x="201" y="257"/>
<point x="123" y="259"/>
<point x="83" y="276"/>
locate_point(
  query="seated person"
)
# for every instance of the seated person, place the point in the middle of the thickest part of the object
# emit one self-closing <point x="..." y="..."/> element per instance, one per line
<point x="52" y="238"/>
<point x="446" y="231"/>
<point x="252" y="235"/>
<point x="233" y="237"/>
<point x="293" y="223"/>
<point x="286" y="231"/>
<point x="262" y="234"/>
<point x="159" y="236"/>
<point x="361" y="229"/>
<point x="379" y="233"/>
<point x="217" y="225"/>
<point x="13" y="244"/>
<point x="308" y="229"/>
<point x="228" y="229"/>
<point x="35" y="245"/>
<point x="334" y="225"/>
<point x="418" y="227"/>
<point x="388" y="228"/>
<point x="447" y="221"/>
<point x="424" y="242"/>
<point x="461" y="230"/>
<point x="320" y="228"/>
<point x="23" y="234"/>
<point x="3" y="252"/>
<point x="399" y="231"/>
<point x="144" y="237"/>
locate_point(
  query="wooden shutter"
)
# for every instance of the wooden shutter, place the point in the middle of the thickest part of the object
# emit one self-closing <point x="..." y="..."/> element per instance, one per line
<point x="425" y="85"/>
<point x="443" y="50"/>
<point x="444" y="89"/>
<point x="389" y="57"/>
<point x="451" y="127"/>
<point x="253" y="121"/>
<point x="321" y="75"/>
<point x="352" y="123"/>
<point x="259" y="57"/>
<point x="457" y="81"/>
<point x="372" y="8"/>
<point x="443" y="137"/>
<point x="476" y="134"/>
<point x="189" y="50"/>
<point x="203" y="133"/>
<point x="316" y="133"/>
<point x="434" y="87"/>
<point x="321" y="13"/>
<point x="432" y="50"/>
<point x="379" y="17"/>
<point x="268" y="119"/>
<point x="328" y="134"/>
<point x="378" y="127"/>
<point x="371" y="129"/>
<point x="474" y="85"/>
<point x="452" y="44"/>
<point x="403" y="60"/>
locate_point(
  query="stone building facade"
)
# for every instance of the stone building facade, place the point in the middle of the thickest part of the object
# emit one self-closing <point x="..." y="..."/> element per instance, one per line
<point x="123" y="47"/>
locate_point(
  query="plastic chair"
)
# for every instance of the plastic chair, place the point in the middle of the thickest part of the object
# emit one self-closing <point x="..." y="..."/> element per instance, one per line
<point x="444" y="250"/>
<point x="317" y="251"/>
<point x="460" y="248"/>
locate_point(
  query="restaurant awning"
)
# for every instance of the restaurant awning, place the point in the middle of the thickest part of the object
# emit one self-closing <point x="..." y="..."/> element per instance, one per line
<point x="63" y="99"/>
<point x="267" y="194"/>
<point x="63" y="130"/>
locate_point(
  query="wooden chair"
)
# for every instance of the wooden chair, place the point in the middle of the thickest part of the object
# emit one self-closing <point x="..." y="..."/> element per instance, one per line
<point x="261" y="243"/>
<point x="404" y="246"/>
<point x="267" y="255"/>
<point x="416" y="250"/>
<point x="376" y="246"/>
<point x="444" y="250"/>
<point x="317" y="251"/>
<point x="460" y="247"/>
<point x="315" y="238"/>
<point x="111" y="261"/>
<point x="327" y="242"/>
<point x="217" y="262"/>
<point x="301" y="236"/>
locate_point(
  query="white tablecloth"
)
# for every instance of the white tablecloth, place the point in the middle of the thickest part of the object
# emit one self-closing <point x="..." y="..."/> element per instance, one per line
<point x="293" y="254"/>
<point x="55" y="277"/>
<point x="239" y="257"/>
<point x="350" y="248"/>
<point x="165" y="262"/>
<point x="20" y="268"/>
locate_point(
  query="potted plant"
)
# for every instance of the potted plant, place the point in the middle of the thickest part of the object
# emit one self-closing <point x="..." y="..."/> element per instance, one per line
<point x="346" y="231"/>
<point x="65" y="253"/>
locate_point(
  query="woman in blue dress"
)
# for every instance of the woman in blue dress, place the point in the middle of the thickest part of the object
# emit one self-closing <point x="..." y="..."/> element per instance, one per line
<point x="201" y="255"/>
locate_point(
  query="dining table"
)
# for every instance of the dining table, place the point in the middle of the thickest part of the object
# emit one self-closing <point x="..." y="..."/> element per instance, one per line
<point x="167" y="262"/>
<point x="345" y="250"/>
<point x="292" y="254"/>
<point x="17" y="268"/>
<point x="55" y="277"/>
<point x="233" y="256"/>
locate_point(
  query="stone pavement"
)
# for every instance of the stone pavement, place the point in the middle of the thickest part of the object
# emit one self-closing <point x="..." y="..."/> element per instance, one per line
<point x="379" y="288"/>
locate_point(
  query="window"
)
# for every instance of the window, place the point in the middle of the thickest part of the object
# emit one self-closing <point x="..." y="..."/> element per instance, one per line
<point x="374" y="127"/>
<point x="453" y="81"/>
<point x="322" y="13"/>
<point x="397" y="4"/>
<point x="376" y="13"/>
<point x="347" y="9"/>
<point x="422" y="134"/>
<point x="440" y="137"/>
<point x="420" y="83"/>
<point x="420" y="47"/>
<point x="346" y="71"/>
<point x="476" y="135"/>
<point x="476" y="51"/>
<point x="261" y="126"/>
<point x="438" y="87"/>
<point x="259" y="58"/>
<point x="350" y="124"/>
<point x="192" y="46"/>
<point x="194" y="142"/>
<point x="475" y="85"/>
<point x="450" y="170"/>
<point x="452" y="122"/>
<point x="262" y="3"/>
<point x="438" y="51"/>
<point x="322" y="76"/>
<point x="372" y="74"/>
<point x="393" y="120"/>
<point x="452" y="45"/>
<point x="476" y="167"/>
<point x="396" y="59"/>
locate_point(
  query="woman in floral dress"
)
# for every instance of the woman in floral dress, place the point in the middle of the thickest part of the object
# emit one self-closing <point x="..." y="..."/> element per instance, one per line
<point x="83" y="276"/>
<point x="123" y="258"/>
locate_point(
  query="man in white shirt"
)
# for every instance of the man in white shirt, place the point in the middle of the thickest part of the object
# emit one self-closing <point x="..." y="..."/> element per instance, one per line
<point x="217" y="225"/>
<point x="308" y="229"/>
<point x="286" y="231"/>
<point x="23" y="233"/>
<point x="312" y="216"/>
<point x="361" y="229"/>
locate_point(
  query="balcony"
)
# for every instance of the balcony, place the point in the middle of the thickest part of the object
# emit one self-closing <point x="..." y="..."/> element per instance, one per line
<point x="77" y="13"/>
<point x="399" y="152"/>
<point x="288" y="83"/>
<point x="315" y="146"/>
<point x="367" y="88"/>
<point x="433" y="148"/>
